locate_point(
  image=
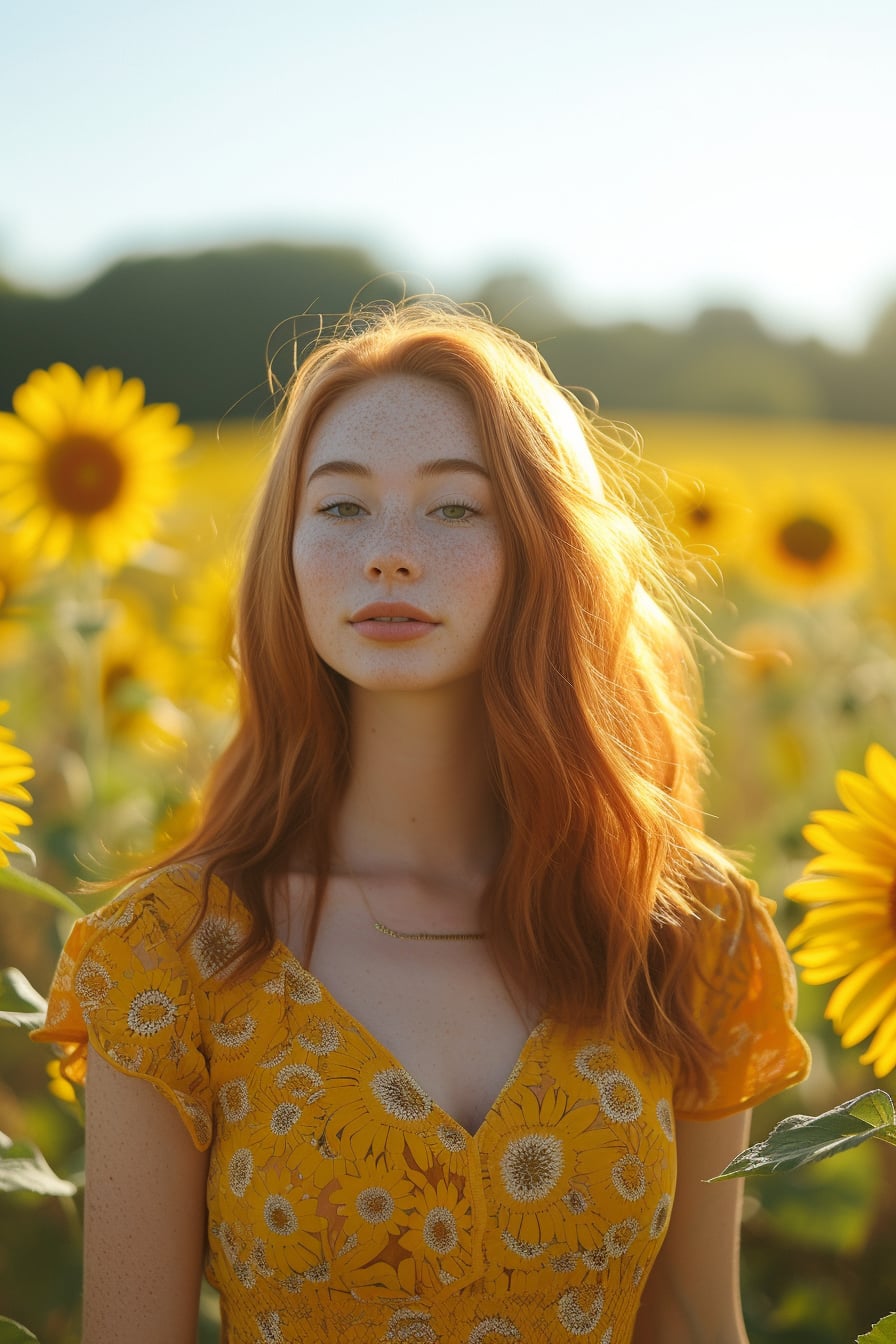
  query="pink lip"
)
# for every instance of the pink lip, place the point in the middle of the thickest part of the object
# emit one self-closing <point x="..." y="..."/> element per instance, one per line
<point x="415" y="623"/>
<point x="375" y="609"/>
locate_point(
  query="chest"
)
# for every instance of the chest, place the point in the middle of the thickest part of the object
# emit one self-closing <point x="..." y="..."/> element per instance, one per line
<point x="441" y="1009"/>
<point x="329" y="1170"/>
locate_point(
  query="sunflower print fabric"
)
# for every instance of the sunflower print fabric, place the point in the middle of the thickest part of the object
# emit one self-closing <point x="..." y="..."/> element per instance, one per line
<point x="343" y="1203"/>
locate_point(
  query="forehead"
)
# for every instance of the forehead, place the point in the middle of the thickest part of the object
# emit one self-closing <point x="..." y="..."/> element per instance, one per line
<point x="400" y="416"/>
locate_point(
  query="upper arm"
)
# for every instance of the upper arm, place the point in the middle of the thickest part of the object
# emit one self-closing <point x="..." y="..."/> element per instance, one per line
<point x="144" y="1214"/>
<point x="693" y="1292"/>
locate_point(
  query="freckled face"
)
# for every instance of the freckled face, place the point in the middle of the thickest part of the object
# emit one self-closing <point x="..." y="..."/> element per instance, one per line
<point x="396" y="508"/>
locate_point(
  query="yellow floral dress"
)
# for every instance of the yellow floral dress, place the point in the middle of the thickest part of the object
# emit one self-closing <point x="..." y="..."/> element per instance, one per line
<point x="343" y="1203"/>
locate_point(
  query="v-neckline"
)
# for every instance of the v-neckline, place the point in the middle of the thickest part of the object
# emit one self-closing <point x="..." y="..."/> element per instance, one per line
<point x="281" y="949"/>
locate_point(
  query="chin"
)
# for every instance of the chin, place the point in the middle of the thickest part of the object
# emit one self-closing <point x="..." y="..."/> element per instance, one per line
<point x="394" y="682"/>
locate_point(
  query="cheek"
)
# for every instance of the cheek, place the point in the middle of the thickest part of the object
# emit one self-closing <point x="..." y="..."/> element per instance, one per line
<point x="313" y="556"/>
<point x="317" y="570"/>
<point x="484" y="572"/>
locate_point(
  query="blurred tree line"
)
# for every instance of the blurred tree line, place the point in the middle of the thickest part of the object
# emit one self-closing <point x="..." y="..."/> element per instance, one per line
<point x="201" y="329"/>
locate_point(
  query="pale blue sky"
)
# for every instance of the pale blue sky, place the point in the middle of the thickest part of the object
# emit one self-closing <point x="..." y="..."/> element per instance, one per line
<point x="645" y="160"/>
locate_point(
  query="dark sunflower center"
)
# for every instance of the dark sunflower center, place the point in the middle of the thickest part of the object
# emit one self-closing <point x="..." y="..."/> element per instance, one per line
<point x="116" y="675"/>
<point x="84" y="475"/>
<point x="701" y="515"/>
<point x="807" y="540"/>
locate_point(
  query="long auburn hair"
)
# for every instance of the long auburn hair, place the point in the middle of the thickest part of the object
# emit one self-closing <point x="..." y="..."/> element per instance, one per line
<point x="588" y="677"/>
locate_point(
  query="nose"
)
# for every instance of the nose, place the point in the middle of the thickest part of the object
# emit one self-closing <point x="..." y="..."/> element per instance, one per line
<point x="391" y="564"/>
<point x="393" y="547"/>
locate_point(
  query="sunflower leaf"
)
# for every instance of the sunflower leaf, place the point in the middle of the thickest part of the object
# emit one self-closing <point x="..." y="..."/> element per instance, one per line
<point x="24" y="1167"/>
<point x="20" y="1003"/>
<point x="13" y="1333"/>
<point x="882" y="1333"/>
<point x="42" y="891"/>
<point x="801" y="1139"/>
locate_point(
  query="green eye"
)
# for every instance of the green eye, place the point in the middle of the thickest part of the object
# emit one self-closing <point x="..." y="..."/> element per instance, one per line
<point x="341" y="508"/>
<point x="457" y="512"/>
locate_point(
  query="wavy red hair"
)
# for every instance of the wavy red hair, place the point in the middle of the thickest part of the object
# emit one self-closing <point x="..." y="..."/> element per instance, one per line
<point x="589" y="682"/>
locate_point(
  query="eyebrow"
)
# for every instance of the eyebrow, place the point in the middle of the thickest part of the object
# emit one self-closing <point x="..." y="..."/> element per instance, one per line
<point x="439" y="466"/>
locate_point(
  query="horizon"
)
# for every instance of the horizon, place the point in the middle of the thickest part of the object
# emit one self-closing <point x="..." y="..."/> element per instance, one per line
<point x="680" y="322"/>
<point x="644" y="165"/>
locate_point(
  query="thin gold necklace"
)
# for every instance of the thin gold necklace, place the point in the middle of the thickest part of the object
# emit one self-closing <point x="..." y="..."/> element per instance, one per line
<point x="412" y="937"/>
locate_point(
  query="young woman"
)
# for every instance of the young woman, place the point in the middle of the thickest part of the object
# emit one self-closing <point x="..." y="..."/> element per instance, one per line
<point x="449" y="994"/>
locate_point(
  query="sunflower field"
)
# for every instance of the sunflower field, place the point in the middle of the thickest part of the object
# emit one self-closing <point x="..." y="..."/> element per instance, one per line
<point x="120" y="536"/>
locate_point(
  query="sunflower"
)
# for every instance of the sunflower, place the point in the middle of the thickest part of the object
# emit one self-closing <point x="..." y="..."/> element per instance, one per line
<point x="708" y="510"/>
<point x="438" y="1233"/>
<point x="204" y="625"/>
<point x="139" y="677"/>
<point x="810" y="542"/>
<point x="850" y="934"/>
<point x="84" y="464"/>
<point x="15" y="768"/>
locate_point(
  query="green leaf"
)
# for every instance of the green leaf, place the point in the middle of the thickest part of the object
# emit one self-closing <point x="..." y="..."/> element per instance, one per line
<point x="13" y="1333"/>
<point x="882" y="1333"/>
<point x="24" y="1167"/>
<point x="42" y="891"/>
<point x="809" y="1138"/>
<point x="20" y="1003"/>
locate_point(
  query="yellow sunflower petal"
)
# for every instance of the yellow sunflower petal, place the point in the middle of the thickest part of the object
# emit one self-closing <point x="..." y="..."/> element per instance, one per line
<point x="822" y="889"/>
<point x="16" y="439"/>
<point x="819" y="956"/>
<point x="864" y="799"/>
<point x="826" y="973"/>
<point x="819" y="838"/>
<point x="857" y="835"/>
<point x="38" y="412"/>
<point x="838" y="1009"/>
<point x="33" y="528"/>
<point x="168" y="444"/>
<point x="58" y="538"/>
<point x="103" y="385"/>
<point x="836" y="921"/>
<point x="880" y="767"/>
<point x="13" y="759"/>
<point x="159" y="418"/>
<point x="882" y="1050"/>
<point x="885" y="1064"/>
<point x="110" y="403"/>
<point x="129" y="404"/>
<point x="869" y="1008"/>
<point x="15" y="766"/>
<point x="845" y="865"/>
<point x="49" y="400"/>
<point x="12" y="817"/>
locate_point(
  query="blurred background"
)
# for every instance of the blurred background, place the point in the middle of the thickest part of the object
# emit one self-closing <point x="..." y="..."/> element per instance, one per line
<point x="691" y="210"/>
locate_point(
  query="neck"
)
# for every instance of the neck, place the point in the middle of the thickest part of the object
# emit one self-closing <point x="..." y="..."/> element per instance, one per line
<point x="419" y="802"/>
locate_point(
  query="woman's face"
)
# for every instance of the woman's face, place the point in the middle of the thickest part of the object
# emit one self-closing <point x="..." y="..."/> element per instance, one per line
<point x="396" y="512"/>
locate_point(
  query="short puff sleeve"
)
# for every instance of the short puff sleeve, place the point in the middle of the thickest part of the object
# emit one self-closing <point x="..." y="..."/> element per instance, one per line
<point x="122" y="986"/>
<point x="744" y="998"/>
